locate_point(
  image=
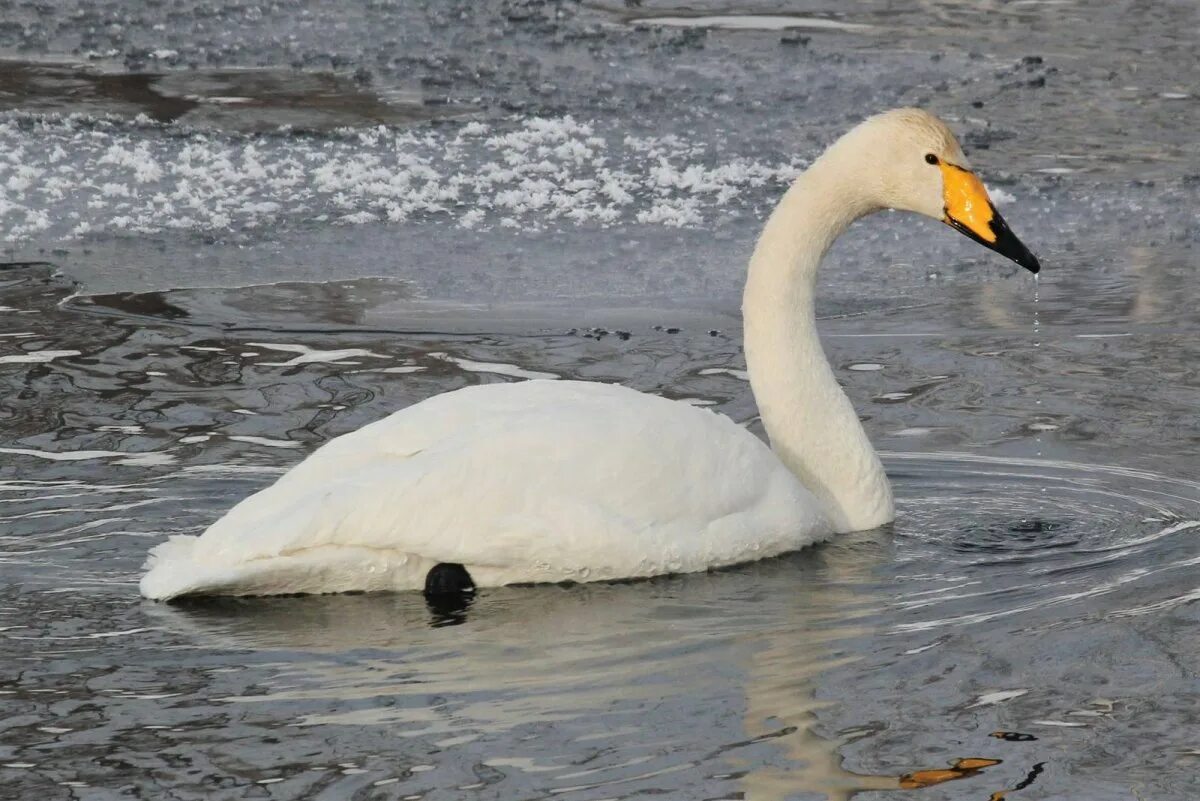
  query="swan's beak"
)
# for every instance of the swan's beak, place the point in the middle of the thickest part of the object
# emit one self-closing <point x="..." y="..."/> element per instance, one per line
<point x="968" y="209"/>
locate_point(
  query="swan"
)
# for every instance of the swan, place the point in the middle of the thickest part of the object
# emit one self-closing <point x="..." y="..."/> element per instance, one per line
<point x="551" y="481"/>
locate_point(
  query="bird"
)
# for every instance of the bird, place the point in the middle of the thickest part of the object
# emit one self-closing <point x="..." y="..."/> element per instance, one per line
<point x="573" y="481"/>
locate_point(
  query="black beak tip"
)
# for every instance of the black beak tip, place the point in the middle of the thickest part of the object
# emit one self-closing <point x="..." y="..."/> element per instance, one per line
<point x="1007" y="244"/>
<point x="1003" y="241"/>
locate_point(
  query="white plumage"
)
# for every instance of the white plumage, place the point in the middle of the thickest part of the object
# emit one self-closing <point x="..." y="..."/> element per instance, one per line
<point x="529" y="482"/>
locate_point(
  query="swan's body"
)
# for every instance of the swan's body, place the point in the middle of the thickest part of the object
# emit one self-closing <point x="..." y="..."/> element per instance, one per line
<point x="594" y="511"/>
<point x="551" y="481"/>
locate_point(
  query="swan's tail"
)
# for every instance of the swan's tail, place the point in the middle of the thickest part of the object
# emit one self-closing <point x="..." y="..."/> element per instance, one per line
<point x="170" y="570"/>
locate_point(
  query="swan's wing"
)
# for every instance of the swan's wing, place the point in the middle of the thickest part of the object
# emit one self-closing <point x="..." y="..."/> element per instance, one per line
<point x="540" y="480"/>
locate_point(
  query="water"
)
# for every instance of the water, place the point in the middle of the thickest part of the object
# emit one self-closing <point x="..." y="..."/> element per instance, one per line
<point x="1039" y="581"/>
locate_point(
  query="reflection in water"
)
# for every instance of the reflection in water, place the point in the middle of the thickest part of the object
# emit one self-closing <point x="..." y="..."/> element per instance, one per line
<point x="250" y="307"/>
<point x="1029" y="779"/>
<point x="783" y="667"/>
<point x="961" y="769"/>
<point x="449" y="609"/>
<point x="642" y="637"/>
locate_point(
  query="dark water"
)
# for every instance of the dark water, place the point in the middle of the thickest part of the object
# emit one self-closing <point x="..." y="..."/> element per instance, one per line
<point x="1026" y="629"/>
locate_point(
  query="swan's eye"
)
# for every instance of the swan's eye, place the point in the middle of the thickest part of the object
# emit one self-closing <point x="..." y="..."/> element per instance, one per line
<point x="931" y="159"/>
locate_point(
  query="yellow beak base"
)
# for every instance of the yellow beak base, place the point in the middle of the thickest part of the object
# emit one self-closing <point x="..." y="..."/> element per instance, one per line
<point x="967" y="202"/>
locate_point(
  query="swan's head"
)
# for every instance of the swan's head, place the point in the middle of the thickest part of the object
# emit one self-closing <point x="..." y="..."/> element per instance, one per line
<point x="916" y="164"/>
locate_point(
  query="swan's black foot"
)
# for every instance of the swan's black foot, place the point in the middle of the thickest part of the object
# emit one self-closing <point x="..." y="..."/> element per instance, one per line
<point x="449" y="592"/>
<point x="448" y="578"/>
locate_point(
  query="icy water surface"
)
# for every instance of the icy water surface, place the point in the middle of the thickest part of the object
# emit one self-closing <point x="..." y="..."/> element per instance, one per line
<point x="1038" y="579"/>
<point x="234" y="231"/>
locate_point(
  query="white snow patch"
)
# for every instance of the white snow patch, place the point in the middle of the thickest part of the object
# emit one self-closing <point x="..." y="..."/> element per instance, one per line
<point x="266" y="441"/>
<point x="195" y="438"/>
<point x="150" y="459"/>
<point x="153" y="457"/>
<point x="1001" y="197"/>
<point x="491" y="367"/>
<point x="70" y="177"/>
<point x="37" y="357"/>
<point x="406" y="368"/>
<point x="998" y="697"/>
<point x="63" y="456"/>
<point x="309" y="355"/>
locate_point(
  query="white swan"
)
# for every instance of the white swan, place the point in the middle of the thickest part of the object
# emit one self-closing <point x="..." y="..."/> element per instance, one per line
<point x="545" y="481"/>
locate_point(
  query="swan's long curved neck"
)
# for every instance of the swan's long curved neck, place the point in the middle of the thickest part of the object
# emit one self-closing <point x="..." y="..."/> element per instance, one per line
<point x="812" y="425"/>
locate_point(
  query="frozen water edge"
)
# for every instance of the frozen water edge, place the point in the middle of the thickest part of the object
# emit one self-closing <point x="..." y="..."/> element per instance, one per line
<point x="66" y="178"/>
<point x="519" y="209"/>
